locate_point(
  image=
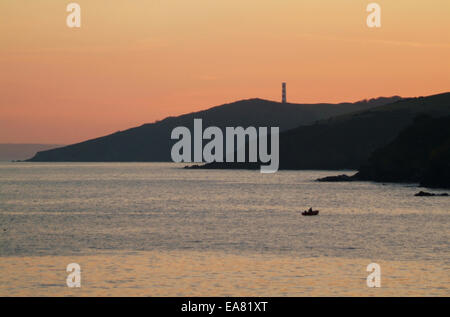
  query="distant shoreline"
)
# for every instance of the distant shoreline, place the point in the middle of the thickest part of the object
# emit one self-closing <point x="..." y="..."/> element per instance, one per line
<point x="23" y="151"/>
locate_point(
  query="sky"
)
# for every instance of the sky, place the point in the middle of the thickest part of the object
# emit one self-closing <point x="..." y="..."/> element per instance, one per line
<point x="134" y="62"/>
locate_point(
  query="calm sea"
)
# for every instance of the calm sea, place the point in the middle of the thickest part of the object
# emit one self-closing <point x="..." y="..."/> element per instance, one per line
<point x="158" y="229"/>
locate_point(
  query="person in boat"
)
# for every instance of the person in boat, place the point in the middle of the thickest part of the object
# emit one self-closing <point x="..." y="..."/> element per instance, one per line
<point x="310" y="209"/>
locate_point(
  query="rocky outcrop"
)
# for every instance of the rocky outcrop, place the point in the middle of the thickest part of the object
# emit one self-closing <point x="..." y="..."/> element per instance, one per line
<point x="338" y="178"/>
<point x="426" y="194"/>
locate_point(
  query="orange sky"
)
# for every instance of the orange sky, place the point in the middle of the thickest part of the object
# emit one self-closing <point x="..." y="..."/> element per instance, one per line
<point x="136" y="61"/>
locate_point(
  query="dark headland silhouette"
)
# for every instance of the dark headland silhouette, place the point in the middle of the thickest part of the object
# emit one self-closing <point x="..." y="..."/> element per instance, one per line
<point x="22" y="151"/>
<point x="386" y="139"/>
<point x="419" y="154"/>
<point x="152" y="143"/>
<point x="347" y="141"/>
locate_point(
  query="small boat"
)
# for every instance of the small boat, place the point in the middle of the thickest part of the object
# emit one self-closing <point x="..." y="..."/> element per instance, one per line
<point x="310" y="213"/>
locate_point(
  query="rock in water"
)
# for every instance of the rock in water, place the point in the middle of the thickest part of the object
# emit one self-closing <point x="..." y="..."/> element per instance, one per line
<point x="339" y="178"/>
<point x="425" y="194"/>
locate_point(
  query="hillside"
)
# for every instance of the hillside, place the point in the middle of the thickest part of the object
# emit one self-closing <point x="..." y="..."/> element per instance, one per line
<point x="9" y="152"/>
<point x="151" y="142"/>
<point x="347" y="141"/>
<point x="420" y="154"/>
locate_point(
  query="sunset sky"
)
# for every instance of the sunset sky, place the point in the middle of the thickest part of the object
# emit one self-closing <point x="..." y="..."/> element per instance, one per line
<point x="133" y="62"/>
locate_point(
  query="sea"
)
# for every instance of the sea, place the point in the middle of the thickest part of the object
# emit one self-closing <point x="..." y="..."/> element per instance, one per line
<point x="158" y="229"/>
